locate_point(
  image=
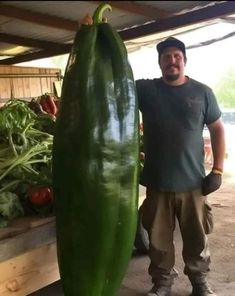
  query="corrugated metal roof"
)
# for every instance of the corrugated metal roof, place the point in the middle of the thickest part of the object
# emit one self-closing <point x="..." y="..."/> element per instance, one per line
<point x="54" y="23"/>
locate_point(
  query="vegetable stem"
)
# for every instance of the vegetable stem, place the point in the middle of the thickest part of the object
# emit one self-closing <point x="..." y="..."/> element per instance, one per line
<point x="98" y="14"/>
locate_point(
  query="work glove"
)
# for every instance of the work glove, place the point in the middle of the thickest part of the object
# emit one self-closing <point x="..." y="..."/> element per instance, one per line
<point x="211" y="182"/>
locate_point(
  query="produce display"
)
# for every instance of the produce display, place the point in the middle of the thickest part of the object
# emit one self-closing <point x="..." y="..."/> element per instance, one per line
<point x="26" y="138"/>
<point x="96" y="163"/>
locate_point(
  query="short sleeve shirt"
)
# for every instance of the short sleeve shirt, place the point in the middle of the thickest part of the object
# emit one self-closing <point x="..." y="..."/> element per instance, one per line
<point x="173" y="120"/>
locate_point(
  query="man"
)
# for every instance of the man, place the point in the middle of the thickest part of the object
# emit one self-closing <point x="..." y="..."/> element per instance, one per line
<point x="174" y="109"/>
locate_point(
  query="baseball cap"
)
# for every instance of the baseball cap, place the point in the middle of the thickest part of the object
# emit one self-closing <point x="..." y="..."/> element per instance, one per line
<point x="170" y="42"/>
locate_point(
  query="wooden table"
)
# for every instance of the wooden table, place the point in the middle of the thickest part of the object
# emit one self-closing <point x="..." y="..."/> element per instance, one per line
<point x="28" y="259"/>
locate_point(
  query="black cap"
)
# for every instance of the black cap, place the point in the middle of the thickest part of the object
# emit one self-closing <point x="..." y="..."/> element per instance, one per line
<point x="170" y="42"/>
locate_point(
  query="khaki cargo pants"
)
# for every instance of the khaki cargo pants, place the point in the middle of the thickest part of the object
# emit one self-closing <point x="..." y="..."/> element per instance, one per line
<point x="159" y="213"/>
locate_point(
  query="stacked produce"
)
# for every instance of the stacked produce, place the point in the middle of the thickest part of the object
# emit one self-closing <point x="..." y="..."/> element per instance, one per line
<point x="26" y="135"/>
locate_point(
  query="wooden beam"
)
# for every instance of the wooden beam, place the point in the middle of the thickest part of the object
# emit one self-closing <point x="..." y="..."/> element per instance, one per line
<point x="140" y="9"/>
<point x="35" y="56"/>
<point x="29" y="42"/>
<point x="228" y="19"/>
<point x="211" y="41"/>
<point x="38" y="18"/>
<point x="189" y="18"/>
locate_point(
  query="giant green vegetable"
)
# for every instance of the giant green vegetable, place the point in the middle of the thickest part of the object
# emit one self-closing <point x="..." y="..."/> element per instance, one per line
<point x="96" y="163"/>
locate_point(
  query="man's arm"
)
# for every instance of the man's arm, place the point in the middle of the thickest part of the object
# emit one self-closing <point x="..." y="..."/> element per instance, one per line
<point x="213" y="180"/>
<point x="216" y="130"/>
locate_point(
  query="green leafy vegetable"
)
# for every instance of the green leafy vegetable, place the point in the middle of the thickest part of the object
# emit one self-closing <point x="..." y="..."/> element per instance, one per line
<point x="25" y="151"/>
<point x="10" y="207"/>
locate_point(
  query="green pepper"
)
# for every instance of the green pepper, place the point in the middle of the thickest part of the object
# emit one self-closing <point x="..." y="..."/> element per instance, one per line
<point x="96" y="163"/>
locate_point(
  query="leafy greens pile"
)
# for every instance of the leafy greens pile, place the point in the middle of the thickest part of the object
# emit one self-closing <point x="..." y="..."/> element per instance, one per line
<point x="25" y="158"/>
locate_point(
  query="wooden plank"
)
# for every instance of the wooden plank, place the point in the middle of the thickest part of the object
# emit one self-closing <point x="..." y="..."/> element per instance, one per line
<point x="45" y="84"/>
<point x="5" y="85"/>
<point x="49" y="82"/>
<point x="34" y="82"/>
<point x="29" y="272"/>
<point x="17" y="83"/>
<point x="25" y="83"/>
<point x="58" y="87"/>
<point x="32" y="238"/>
<point x="23" y="224"/>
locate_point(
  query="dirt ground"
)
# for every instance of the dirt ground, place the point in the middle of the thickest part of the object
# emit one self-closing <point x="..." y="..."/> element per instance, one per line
<point x="222" y="247"/>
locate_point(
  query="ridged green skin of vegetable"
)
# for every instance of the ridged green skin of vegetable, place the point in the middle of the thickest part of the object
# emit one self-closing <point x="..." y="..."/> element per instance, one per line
<point x="96" y="164"/>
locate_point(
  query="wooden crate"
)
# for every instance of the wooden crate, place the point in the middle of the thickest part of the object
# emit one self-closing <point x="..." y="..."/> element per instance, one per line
<point x="28" y="259"/>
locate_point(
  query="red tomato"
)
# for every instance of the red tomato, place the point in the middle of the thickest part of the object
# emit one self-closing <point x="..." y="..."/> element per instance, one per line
<point x="40" y="196"/>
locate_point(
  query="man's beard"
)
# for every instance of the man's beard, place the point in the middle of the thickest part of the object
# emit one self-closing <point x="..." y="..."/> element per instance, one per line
<point x="171" y="77"/>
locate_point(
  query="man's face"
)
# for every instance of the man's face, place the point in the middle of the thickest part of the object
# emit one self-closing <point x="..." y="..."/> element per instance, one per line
<point x="172" y="63"/>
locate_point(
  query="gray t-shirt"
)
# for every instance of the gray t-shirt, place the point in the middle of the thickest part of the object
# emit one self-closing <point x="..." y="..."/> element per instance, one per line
<point x="173" y="119"/>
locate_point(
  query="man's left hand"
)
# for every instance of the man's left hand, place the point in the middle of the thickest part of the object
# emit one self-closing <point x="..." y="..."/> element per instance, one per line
<point x="211" y="183"/>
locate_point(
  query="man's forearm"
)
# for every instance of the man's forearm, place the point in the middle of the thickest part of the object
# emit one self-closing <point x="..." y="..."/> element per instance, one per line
<point x="218" y="146"/>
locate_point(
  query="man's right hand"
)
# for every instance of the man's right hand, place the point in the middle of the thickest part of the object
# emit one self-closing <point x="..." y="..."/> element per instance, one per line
<point x="87" y="20"/>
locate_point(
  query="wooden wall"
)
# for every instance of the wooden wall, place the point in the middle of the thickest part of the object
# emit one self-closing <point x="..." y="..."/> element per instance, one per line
<point x="26" y="82"/>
